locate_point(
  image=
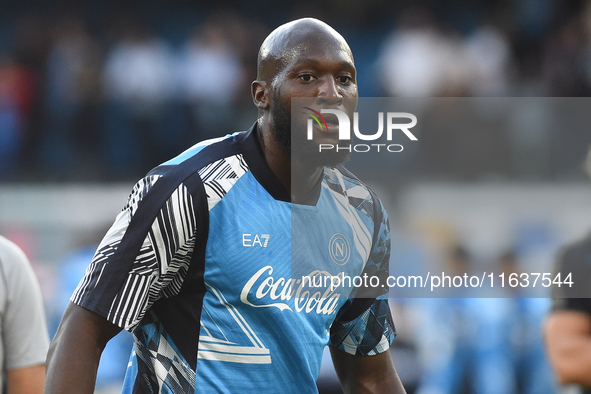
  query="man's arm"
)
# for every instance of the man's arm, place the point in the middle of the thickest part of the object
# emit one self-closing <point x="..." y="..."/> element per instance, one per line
<point x="24" y="330"/>
<point x="366" y="374"/>
<point x="568" y="342"/>
<point x="75" y="351"/>
<point x="25" y="380"/>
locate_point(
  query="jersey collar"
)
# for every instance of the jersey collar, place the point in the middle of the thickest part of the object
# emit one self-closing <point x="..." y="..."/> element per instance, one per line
<point x="254" y="157"/>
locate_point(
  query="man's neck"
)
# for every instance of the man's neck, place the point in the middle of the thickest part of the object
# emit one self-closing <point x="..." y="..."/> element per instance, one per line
<point x="297" y="178"/>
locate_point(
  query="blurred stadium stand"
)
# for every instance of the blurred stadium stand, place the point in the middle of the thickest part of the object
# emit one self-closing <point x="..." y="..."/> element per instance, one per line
<point x="105" y="92"/>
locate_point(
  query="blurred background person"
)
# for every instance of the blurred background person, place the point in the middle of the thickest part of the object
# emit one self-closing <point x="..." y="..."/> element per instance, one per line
<point x="140" y="127"/>
<point x="16" y="96"/>
<point x="24" y="343"/>
<point x="87" y="90"/>
<point x="464" y="342"/>
<point x="70" y="135"/>
<point x="568" y="327"/>
<point x="422" y="59"/>
<point x="210" y="78"/>
<point x="523" y="317"/>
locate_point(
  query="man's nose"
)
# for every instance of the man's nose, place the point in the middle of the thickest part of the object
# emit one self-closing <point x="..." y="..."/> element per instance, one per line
<point x="329" y="92"/>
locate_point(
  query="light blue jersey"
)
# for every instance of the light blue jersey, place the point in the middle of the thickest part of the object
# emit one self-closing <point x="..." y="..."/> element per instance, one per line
<point x="219" y="276"/>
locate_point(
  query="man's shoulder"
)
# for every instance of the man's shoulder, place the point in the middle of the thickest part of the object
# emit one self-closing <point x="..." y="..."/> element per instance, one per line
<point x="576" y="252"/>
<point x="16" y="272"/>
<point x="574" y="264"/>
<point x="204" y="153"/>
<point x="207" y="171"/>
<point x="581" y="243"/>
<point x="341" y="175"/>
<point x="342" y="180"/>
<point x="198" y="157"/>
<point x="11" y="255"/>
<point x="360" y="197"/>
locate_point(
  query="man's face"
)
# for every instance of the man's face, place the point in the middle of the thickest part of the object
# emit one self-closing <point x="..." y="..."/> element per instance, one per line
<point x="325" y="73"/>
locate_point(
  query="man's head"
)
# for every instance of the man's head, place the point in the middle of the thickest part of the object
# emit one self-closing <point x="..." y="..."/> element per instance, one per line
<point x="304" y="58"/>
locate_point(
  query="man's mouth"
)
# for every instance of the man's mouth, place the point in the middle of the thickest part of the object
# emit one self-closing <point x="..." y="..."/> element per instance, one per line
<point x="332" y="127"/>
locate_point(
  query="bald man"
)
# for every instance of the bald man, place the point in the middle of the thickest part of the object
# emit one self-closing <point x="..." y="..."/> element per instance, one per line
<point x="198" y="265"/>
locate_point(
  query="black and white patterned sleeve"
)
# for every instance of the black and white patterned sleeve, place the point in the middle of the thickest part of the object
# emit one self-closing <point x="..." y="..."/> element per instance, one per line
<point x="144" y="256"/>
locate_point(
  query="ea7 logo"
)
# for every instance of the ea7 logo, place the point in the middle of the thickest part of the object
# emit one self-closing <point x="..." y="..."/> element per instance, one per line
<point x="251" y="240"/>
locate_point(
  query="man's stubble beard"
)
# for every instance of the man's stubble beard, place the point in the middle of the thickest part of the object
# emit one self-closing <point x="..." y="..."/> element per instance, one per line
<point x="297" y="145"/>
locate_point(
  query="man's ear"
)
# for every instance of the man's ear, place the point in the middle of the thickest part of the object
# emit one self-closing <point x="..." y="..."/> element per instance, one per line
<point x="260" y="95"/>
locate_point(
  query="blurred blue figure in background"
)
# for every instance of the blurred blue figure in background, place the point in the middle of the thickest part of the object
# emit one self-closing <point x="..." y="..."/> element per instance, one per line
<point x="533" y="372"/>
<point x="115" y="357"/>
<point x="491" y="346"/>
<point x="487" y="344"/>
<point x="530" y="361"/>
<point x="464" y="342"/>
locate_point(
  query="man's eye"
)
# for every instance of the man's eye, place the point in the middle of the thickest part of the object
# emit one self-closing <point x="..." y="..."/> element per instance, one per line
<point x="344" y="80"/>
<point x="307" y="77"/>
